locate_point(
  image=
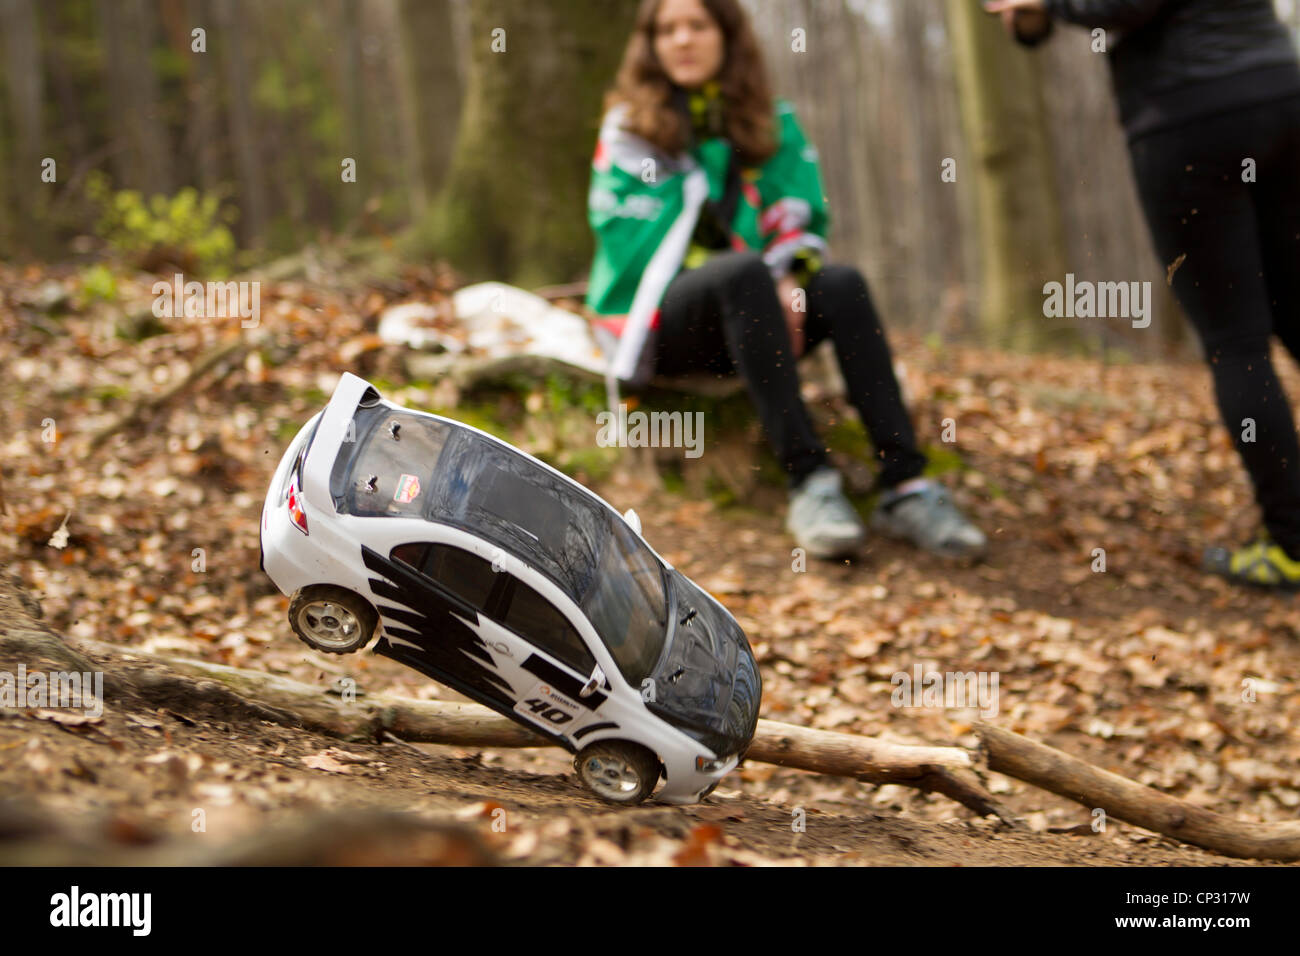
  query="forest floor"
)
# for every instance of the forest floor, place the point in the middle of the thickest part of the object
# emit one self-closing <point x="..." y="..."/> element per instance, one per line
<point x="1148" y="668"/>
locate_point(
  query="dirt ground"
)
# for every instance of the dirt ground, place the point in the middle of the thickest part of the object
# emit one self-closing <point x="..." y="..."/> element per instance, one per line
<point x="126" y="790"/>
<point x="1142" y="665"/>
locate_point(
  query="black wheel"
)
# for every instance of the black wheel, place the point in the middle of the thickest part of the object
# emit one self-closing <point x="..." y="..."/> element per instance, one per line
<point x="618" y="771"/>
<point x="332" y="619"/>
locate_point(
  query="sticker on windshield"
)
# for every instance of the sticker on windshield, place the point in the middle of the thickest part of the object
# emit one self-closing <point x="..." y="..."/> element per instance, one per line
<point x="408" y="489"/>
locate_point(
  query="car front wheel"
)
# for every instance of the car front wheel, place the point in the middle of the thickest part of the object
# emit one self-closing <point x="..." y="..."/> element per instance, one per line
<point x="618" y="771"/>
<point x="332" y="619"/>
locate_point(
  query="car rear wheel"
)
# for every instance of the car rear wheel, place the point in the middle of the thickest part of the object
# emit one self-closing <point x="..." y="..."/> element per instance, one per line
<point x="618" y="771"/>
<point x="331" y="619"/>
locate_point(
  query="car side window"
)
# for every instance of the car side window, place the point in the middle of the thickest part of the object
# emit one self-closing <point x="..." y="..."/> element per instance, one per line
<point x="411" y="554"/>
<point x="532" y="616"/>
<point x="464" y="574"/>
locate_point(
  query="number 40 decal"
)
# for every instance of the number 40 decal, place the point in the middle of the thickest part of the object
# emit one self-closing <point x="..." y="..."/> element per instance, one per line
<point x="543" y="709"/>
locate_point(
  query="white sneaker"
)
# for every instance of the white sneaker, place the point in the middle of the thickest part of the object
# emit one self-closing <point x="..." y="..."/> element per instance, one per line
<point x="924" y="515"/>
<point x="821" y="519"/>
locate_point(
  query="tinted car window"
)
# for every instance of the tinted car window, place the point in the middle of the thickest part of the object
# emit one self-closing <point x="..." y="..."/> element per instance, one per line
<point x="465" y="575"/>
<point x="577" y="542"/>
<point x="532" y="616"/>
<point x="412" y="554"/>
<point x="626" y="603"/>
<point x="502" y="496"/>
<point x="391" y="474"/>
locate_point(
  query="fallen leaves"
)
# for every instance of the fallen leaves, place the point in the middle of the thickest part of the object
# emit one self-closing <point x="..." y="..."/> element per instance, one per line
<point x="697" y="849"/>
<point x="1057" y="457"/>
<point x="335" y="760"/>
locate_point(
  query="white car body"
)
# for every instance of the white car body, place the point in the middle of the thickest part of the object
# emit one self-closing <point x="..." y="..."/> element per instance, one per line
<point x="503" y="667"/>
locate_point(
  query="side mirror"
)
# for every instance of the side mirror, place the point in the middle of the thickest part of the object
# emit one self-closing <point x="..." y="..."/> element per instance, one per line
<point x="594" y="682"/>
<point x="633" y="520"/>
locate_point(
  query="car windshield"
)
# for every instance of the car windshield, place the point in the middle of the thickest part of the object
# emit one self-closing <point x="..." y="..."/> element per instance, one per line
<point x="503" y="496"/>
<point x="626" y="602"/>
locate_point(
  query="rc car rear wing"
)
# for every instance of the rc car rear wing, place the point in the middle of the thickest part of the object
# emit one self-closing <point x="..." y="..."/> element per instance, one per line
<point x="335" y="429"/>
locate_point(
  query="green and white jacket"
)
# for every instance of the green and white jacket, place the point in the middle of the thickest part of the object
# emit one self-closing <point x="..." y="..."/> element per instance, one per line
<point x="643" y="205"/>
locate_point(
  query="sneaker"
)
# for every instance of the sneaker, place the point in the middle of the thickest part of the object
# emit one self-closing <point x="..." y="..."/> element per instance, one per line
<point x="821" y="519"/>
<point x="923" y="514"/>
<point x="1261" y="563"/>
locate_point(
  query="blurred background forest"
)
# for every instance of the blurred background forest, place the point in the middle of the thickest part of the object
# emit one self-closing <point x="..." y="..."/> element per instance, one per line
<point x="214" y="135"/>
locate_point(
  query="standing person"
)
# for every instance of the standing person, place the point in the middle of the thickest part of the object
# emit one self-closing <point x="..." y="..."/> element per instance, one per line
<point x="707" y="205"/>
<point x="1209" y="96"/>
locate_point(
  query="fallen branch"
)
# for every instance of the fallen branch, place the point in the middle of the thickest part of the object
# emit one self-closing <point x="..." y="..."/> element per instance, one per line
<point x="1043" y="766"/>
<point x="943" y="770"/>
<point x="230" y="691"/>
<point x="143" y="407"/>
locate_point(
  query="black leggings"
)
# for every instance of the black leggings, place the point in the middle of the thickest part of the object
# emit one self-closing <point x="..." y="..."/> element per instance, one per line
<point x="1240" y="281"/>
<point x="726" y="318"/>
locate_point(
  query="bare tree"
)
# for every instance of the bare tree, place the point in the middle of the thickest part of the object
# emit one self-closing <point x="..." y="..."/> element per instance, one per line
<point x="26" y="94"/>
<point x="130" y="31"/>
<point x="432" y="62"/>
<point x="1019" y="220"/>
<point x="514" y="204"/>
<point x="231" y="20"/>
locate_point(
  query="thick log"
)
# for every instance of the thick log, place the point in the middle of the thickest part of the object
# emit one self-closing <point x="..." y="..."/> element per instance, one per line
<point x="1044" y="766"/>
<point x="944" y="770"/>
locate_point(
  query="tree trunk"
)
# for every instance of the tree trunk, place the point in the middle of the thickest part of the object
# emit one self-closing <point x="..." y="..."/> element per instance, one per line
<point x="23" y="82"/>
<point x="935" y="264"/>
<point x="202" y="93"/>
<point x="401" y="77"/>
<point x="145" y="162"/>
<point x="356" y="141"/>
<point x="6" y="203"/>
<point x="231" y="21"/>
<point x="514" y="205"/>
<point x="431" y="58"/>
<point x="1018" y="214"/>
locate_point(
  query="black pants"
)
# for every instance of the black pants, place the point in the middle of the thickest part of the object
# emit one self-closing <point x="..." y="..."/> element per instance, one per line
<point x="726" y="318"/>
<point x="1240" y="281"/>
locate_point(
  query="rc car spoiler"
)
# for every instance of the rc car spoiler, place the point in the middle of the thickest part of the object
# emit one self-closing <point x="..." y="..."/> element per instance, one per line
<point x="331" y="434"/>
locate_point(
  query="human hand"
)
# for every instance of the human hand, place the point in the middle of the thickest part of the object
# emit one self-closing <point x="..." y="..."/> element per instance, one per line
<point x="1000" y="6"/>
<point x="785" y="290"/>
<point x="1020" y="18"/>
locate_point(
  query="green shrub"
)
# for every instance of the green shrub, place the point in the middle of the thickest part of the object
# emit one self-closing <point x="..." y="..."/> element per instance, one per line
<point x="98" y="283"/>
<point x="188" y="228"/>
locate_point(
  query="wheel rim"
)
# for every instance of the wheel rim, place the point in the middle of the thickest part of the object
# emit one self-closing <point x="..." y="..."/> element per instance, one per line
<point x="611" y="777"/>
<point x="329" y="624"/>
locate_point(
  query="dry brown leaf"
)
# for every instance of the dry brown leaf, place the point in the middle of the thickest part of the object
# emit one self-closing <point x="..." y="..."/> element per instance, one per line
<point x="323" y="761"/>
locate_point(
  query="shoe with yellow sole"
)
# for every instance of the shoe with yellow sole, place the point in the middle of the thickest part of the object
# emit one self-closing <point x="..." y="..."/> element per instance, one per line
<point x="1261" y="563"/>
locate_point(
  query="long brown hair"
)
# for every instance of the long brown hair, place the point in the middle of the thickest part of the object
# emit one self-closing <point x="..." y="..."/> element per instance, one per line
<point x="647" y="91"/>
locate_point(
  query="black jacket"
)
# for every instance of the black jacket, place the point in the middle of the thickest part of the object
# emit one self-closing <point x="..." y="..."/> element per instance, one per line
<point x="1175" y="60"/>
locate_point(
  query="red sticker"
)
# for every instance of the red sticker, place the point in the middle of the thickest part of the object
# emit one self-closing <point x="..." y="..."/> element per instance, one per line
<point x="408" y="489"/>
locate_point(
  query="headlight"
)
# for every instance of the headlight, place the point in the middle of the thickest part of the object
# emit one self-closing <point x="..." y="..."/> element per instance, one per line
<point x="705" y="765"/>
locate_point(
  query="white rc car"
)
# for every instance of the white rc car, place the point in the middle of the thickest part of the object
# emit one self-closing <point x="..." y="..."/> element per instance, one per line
<point x="496" y="575"/>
